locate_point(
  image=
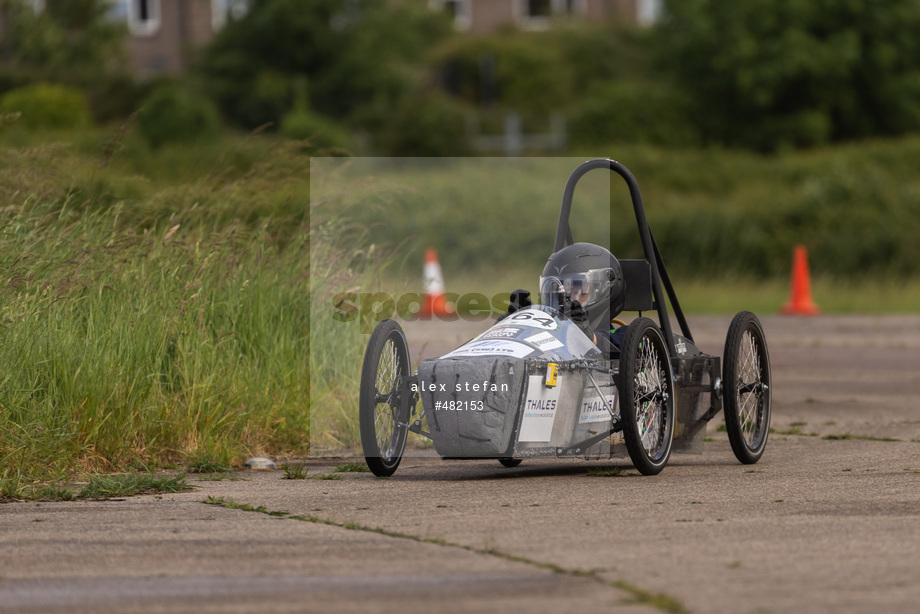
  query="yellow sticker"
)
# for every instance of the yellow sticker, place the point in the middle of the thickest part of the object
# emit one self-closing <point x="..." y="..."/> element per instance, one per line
<point x="552" y="370"/>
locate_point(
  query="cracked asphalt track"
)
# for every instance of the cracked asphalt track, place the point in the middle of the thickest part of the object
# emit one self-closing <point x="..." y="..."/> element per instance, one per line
<point x="819" y="525"/>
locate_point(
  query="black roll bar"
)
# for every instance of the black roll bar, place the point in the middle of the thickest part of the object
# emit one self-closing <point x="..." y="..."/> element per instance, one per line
<point x="659" y="273"/>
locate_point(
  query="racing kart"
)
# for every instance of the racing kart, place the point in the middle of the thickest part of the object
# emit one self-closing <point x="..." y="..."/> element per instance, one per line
<point x="535" y="385"/>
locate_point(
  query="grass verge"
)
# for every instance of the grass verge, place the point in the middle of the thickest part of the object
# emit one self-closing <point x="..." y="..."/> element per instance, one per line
<point x="351" y="467"/>
<point x="605" y="472"/>
<point x="845" y="436"/>
<point x="100" y="487"/>
<point x="714" y="212"/>
<point x="108" y="486"/>
<point x="713" y="295"/>
<point x="155" y="315"/>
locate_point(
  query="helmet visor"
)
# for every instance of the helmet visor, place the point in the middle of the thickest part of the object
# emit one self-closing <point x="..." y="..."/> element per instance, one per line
<point x="588" y="288"/>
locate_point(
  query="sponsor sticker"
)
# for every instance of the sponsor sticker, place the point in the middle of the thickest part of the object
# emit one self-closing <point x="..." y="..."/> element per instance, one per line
<point x="539" y="411"/>
<point x="544" y="341"/>
<point x="680" y="346"/>
<point x="593" y="408"/>
<point x="501" y="332"/>
<point x="492" y="347"/>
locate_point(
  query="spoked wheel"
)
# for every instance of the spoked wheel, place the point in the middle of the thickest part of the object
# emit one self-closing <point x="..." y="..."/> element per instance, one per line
<point x="383" y="429"/>
<point x="746" y="384"/>
<point x="510" y="462"/>
<point x="646" y="386"/>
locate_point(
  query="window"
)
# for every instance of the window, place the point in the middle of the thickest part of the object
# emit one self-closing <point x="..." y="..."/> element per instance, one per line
<point x="142" y="16"/>
<point x="539" y="8"/>
<point x="226" y="10"/>
<point x="536" y="14"/>
<point x="460" y="10"/>
<point x="648" y="12"/>
<point x="118" y="11"/>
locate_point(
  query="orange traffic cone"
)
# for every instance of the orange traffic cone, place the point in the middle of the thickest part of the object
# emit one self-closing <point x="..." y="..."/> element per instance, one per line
<point x="800" y="301"/>
<point x="435" y="303"/>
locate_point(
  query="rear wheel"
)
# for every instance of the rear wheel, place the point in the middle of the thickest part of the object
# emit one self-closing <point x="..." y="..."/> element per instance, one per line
<point x="510" y="462"/>
<point x="746" y="381"/>
<point x="383" y="428"/>
<point x="646" y="386"/>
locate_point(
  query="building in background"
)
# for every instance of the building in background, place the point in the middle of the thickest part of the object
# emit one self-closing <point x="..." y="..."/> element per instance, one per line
<point x="163" y="34"/>
<point x="483" y="16"/>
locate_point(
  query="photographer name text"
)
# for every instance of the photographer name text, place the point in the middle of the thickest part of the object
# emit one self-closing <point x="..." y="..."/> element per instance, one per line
<point x="460" y="387"/>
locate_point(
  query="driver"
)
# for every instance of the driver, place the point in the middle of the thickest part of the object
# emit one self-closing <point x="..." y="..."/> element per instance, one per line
<point x="585" y="282"/>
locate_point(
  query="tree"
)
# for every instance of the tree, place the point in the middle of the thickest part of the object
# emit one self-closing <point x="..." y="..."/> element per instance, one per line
<point x="769" y="74"/>
<point x="359" y="57"/>
<point x="69" y="41"/>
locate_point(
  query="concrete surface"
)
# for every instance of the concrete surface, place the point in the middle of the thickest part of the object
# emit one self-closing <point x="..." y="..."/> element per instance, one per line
<point x="818" y="525"/>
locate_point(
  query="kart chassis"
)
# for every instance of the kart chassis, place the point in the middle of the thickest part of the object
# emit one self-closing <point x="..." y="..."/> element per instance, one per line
<point x="686" y="374"/>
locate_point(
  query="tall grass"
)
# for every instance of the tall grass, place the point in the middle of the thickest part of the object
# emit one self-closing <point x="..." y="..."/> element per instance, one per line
<point x="729" y="294"/>
<point x="343" y="260"/>
<point x="336" y="348"/>
<point x="154" y="324"/>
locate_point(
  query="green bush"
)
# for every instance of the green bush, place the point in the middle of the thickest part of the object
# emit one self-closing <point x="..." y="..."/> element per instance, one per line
<point x="113" y="98"/>
<point x="770" y="74"/>
<point x="426" y="124"/>
<point x="627" y="112"/>
<point x="269" y="97"/>
<point x="73" y="42"/>
<point x="523" y="71"/>
<point x="322" y="133"/>
<point x="171" y="114"/>
<point x="47" y="107"/>
<point x="600" y="53"/>
<point x="361" y="58"/>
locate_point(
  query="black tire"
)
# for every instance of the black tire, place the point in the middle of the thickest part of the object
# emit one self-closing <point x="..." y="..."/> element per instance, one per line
<point x="383" y="430"/>
<point x="646" y="387"/>
<point x="510" y="463"/>
<point x="746" y="383"/>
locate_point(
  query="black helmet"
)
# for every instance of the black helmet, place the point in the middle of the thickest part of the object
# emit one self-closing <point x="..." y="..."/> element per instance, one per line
<point x="588" y="274"/>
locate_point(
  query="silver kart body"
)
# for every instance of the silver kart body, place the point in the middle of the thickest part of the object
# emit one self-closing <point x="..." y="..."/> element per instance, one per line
<point x="494" y="397"/>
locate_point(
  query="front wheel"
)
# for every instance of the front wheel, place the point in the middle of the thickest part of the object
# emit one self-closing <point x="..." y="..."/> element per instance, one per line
<point x="646" y="386"/>
<point x="746" y="380"/>
<point x="383" y="388"/>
